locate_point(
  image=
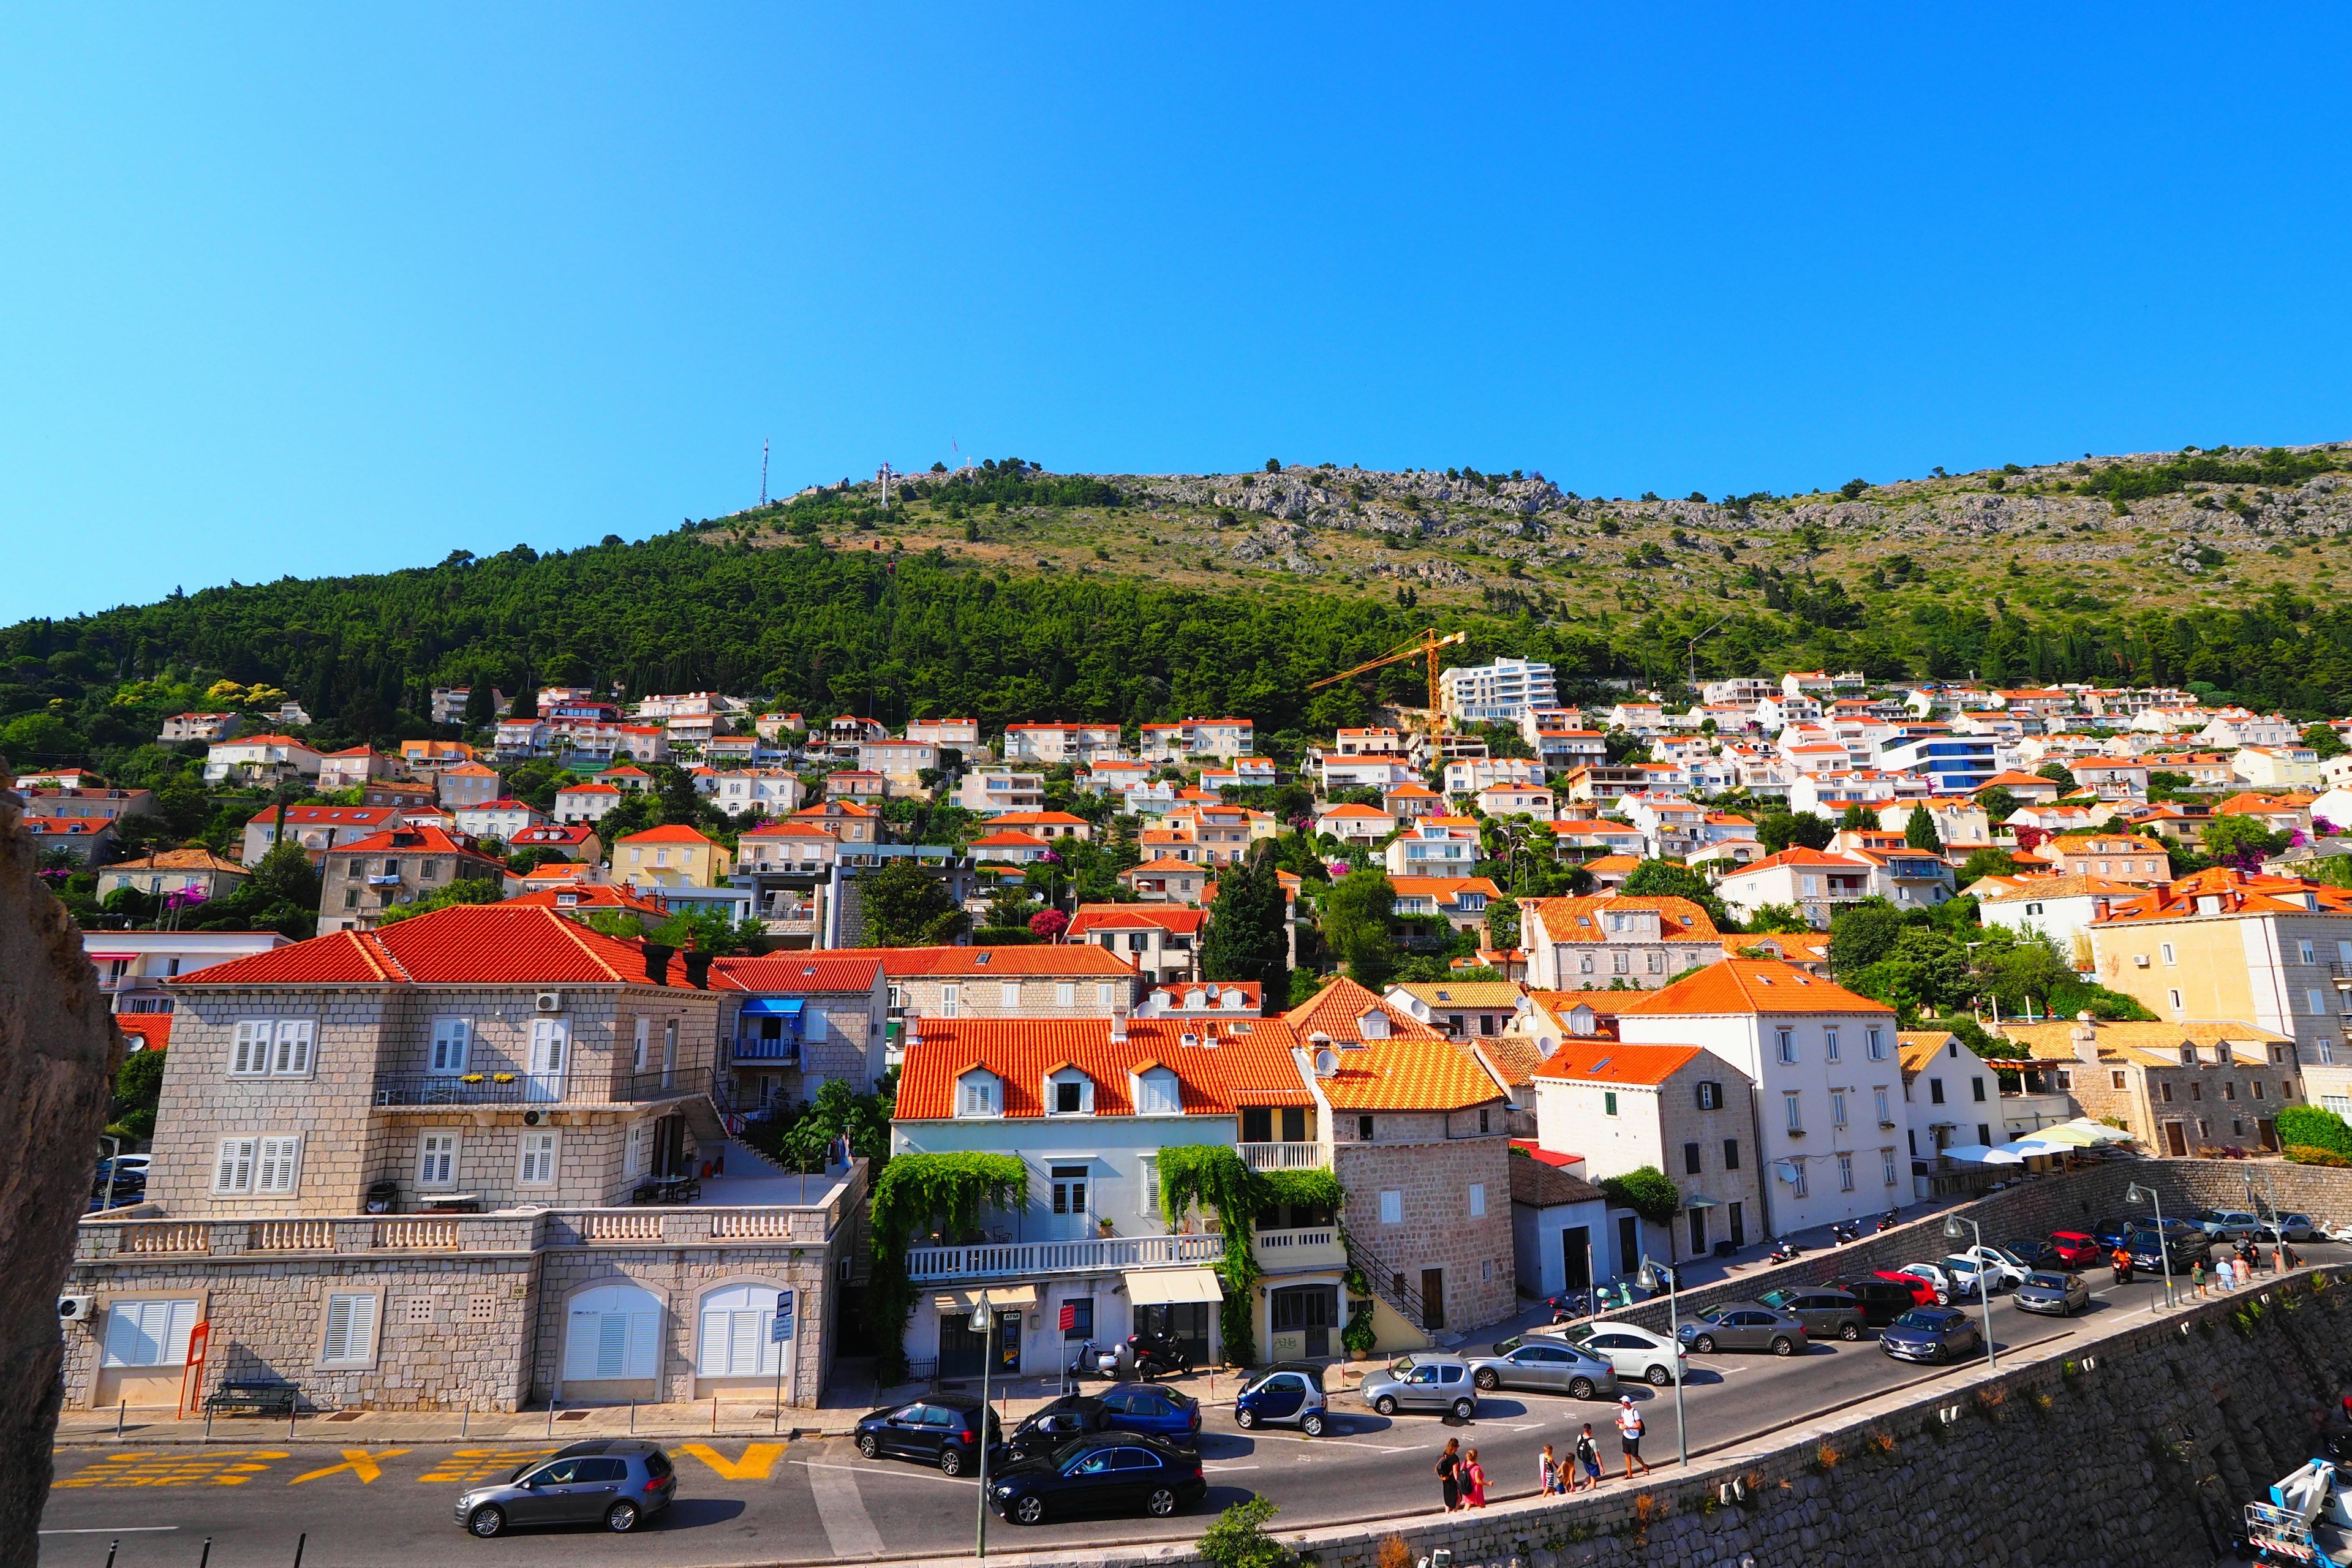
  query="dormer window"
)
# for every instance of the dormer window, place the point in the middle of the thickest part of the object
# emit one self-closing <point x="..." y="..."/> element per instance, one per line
<point x="1157" y="1092"/>
<point x="2188" y="1056"/>
<point x="1069" y="1092"/>
<point x="977" y="1093"/>
<point x="1373" y="1025"/>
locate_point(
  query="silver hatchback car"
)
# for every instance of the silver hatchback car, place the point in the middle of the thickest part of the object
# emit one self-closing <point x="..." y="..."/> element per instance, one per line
<point x="1425" y="1380"/>
<point x="616" y="1482"/>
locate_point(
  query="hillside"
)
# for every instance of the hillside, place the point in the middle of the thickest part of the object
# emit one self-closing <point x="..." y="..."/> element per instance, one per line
<point x="1007" y="592"/>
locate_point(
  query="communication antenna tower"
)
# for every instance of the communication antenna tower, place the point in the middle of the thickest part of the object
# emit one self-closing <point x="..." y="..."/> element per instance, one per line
<point x="884" y="473"/>
<point x="764" y="471"/>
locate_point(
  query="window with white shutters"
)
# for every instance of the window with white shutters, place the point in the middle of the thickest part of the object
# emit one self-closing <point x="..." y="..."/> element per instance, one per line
<point x="1150" y="1165"/>
<point x="275" y="1163"/>
<point x="1157" y="1093"/>
<point x="350" y="1339"/>
<point x="292" y="1057"/>
<point x="1066" y="993"/>
<point x="644" y="1031"/>
<point x="734" y="1341"/>
<point x="641" y="1138"/>
<point x="233" y="1170"/>
<point x="1008" y="993"/>
<point x="537" y="1168"/>
<point x="437" y="1159"/>
<point x="1102" y="994"/>
<point x="149" y="1333"/>
<point x="451" y="1039"/>
<point x="249" y="1055"/>
<point x="614" y="1331"/>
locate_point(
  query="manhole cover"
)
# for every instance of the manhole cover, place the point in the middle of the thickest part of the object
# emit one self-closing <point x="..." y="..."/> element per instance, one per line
<point x="573" y="1415"/>
<point x="347" y="1415"/>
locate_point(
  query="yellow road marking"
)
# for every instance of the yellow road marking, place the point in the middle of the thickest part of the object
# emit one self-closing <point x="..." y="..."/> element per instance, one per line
<point x="226" y="1468"/>
<point x="758" y="1459"/>
<point x="480" y="1464"/>
<point x="360" y="1462"/>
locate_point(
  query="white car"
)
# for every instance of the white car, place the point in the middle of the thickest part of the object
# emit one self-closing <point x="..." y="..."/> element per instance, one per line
<point x="1636" y="1352"/>
<point x="1933" y="1276"/>
<point x="2003" y="1269"/>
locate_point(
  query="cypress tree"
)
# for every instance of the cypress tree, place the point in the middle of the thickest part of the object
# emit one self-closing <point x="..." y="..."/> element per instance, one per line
<point x="1247" y="939"/>
<point x="1919" y="831"/>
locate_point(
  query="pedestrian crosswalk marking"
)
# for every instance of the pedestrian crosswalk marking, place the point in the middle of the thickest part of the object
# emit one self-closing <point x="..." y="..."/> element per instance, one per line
<point x="226" y="1467"/>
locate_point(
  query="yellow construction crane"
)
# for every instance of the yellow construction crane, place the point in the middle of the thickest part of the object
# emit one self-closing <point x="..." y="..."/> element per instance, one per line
<point x="1424" y="645"/>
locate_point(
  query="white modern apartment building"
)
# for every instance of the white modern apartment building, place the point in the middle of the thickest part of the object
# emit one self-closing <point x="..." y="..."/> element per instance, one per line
<point x="1500" y="691"/>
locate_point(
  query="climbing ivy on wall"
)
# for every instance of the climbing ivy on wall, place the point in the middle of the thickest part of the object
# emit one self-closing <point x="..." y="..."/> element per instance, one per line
<point x="1204" y="1175"/>
<point x="922" y="1192"/>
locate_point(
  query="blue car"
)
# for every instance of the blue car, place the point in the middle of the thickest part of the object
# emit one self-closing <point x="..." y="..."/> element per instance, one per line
<point x="1288" y="1393"/>
<point x="1158" y="1412"/>
<point x="1931" y="1333"/>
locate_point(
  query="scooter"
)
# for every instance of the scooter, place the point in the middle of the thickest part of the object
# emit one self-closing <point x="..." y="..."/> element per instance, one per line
<point x="1784" y="1253"/>
<point x="1157" y="1355"/>
<point x="1568" y="1309"/>
<point x="1090" y="1357"/>
<point x="1845" y="1231"/>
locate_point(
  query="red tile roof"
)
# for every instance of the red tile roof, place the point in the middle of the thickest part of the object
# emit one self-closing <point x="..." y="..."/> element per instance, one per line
<point x="1612" y="1061"/>
<point x="1021" y="1051"/>
<point x="1579" y="919"/>
<point x="2238" y="894"/>
<point x="413" y="840"/>
<point x="1745" y="985"/>
<point x="795" y="973"/>
<point x="1080" y="959"/>
<point x="466" y="944"/>
<point x="579" y="895"/>
<point x="152" y="1030"/>
<point x="1415" y="1068"/>
<point x="338" y="816"/>
<point x="669" y="833"/>
<point x="1127" y="917"/>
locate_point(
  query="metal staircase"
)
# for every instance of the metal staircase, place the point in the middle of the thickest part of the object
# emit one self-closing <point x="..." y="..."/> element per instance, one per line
<point x="1391" y="1284"/>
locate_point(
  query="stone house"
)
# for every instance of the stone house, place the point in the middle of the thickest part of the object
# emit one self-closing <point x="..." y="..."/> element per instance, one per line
<point x="387" y="1167"/>
<point x="2177" y="1087"/>
<point x="792" y="1022"/>
<point x="1162" y="942"/>
<point x="318" y="828"/>
<point x="366" y="877"/>
<point x="1640" y="941"/>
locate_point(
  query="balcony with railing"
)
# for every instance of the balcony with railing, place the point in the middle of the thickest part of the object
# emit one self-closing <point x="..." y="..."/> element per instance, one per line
<point x="1005" y="1260"/>
<point x="1288" y="1156"/>
<point x="1297" y="1251"/>
<point x="513" y="1086"/>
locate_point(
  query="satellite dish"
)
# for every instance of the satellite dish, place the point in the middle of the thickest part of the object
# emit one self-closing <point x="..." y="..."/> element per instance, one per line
<point x="1326" y="1063"/>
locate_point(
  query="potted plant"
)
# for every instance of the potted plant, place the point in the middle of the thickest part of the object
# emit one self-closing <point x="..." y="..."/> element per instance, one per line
<point x="1103" y="1229"/>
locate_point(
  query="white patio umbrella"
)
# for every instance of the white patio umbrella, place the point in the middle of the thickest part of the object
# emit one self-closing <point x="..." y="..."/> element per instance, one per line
<point x="1981" y="1154"/>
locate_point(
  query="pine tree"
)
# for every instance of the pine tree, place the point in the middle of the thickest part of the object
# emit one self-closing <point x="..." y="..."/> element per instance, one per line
<point x="479" y="709"/>
<point x="1919" y="831"/>
<point x="1247" y="940"/>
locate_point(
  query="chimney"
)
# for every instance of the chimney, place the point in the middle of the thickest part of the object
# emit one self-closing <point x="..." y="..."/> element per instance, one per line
<point x="1119" y="1025"/>
<point x="698" y="969"/>
<point x="2085" y="1036"/>
<point x="657" y="957"/>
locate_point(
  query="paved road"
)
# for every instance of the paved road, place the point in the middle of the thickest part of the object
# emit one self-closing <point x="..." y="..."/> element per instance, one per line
<point x="814" y="1501"/>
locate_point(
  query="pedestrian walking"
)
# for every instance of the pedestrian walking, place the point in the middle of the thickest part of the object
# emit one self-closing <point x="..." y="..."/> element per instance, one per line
<point x="2224" y="1274"/>
<point x="1449" y="1474"/>
<point x="2294" y="1259"/>
<point x="1548" y="1473"/>
<point x="1473" y="1492"/>
<point x="1587" y="1453"/>
<point x="2196" y="1276"/>
<point x="2249" y="1258"/>
<point x="1629" y="1435"/>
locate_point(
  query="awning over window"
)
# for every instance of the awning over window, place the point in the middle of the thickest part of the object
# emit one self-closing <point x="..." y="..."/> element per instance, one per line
<point x="1696" y="1202"/>
<point x="1165" y="1287"/>
<point x="1003" y="1298"/>
<point x="772" y="1007"/>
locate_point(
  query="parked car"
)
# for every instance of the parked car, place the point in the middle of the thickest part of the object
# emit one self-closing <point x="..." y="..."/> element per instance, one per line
<point x="1425" y="1380"/>
<point x="2074" y="1249"/>
<point x="2110" y="1233"/>
<point x="1923" y="1292"/>
<point x="1932" y="1333"/>
<point x="1156" y="1412"/>
<point x="2148" y="1253"/>
<point x="1633" y="1351"/>
<point x="1122" y="1473"/>
<point x="1546" y="1365"/>
<point x="1934" y="1275"/>
<point x="2004" y="1266"/>
<point x="1971" y="1278"/>
<point x="1744" y="1326"/>
<point x="1880" y="1299"/>
<point x="1046" y="1430"/>
<point x="1287" y="1393"/>
<point x="617" y="1482"/>
<point x="2228" y="1224"/>
<point x="1827" y="1312"/>
<point x="2049" y="1291"/>
<point x="942" y="1429"/>
<point x="2288" y="1227"/>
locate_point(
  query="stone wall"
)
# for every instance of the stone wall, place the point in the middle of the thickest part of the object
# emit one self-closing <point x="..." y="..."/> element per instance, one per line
<point x="2141" y="1453"/>
<point x="1433" y="1176"/>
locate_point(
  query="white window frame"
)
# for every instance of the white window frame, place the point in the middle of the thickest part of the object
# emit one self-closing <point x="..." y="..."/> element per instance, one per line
<point x="1148" y="1172"/>
<point x="1158" y="1092"/>
<point x="644" y="1031"/>
<point x="1794" y="1108"/>
<point x="977" y="1086"/>
<point x="273" y="1048"/>
<point x="2164" y="950"/>
<point x="1886" y="1165"/>
<point x="1846" y="1172"/>
<point x="278" y="1165"/>
<point x="733" y="1323"/>
<point x="442" y="1146"/>
<point x="538" y="1151"/>
<point x="451" y="1042"/>
<point x="233" y="1162"/>
<point x="1008" y="994"/>
<point x="162" y="1324"/>
<point x="1799" y="1187"/>
<point x="1837" y="1108"/>
<point x="1103" y="993"/>
<point x="1875" y="1038"/>
<point x="1392" y="1205"/>
<point x="348" y="1326"/>
<point x="950" y="996"/>
<point x="1878" y="1102"/>
<point x="1052" y="1097"/>
<point x="638" y="1150"/>
<point x="1829" y="1043"/>
<point x="1477" y="1200"/>
<point x="1785" y="1042"/>
<point x="1066" y="993"/>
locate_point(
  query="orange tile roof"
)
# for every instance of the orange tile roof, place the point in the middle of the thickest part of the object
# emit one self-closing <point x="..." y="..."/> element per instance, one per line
<point x="569" y="895"/>
<point x="1612" y="863"/>
<point x="343" y="815"/>
<point x="1121" y="917"/>
<point x="465" y="944"/>
<point x="1577" y="919"/>
<point x="1009" y="840"/>
<point x="1021" y="1052"/>
<point x="1445" y="886"/>
<point x="2239" y="894"/>
<point x="152" y="1030"/>
<point x="181" y="860"/>
<point x="1081" y="959"/>
<point x="415" y="840"/>
<point x="669" y="833"/>
<point x="1612" y="1061"/>
<point x="1035" y="818"/>
<point x="1337" y="1009"/>
<point x="1813" y="944"/>
<point x="795" y="973"/>
<point x="1743" y="985"/>
<point x="1408" y="1075"/>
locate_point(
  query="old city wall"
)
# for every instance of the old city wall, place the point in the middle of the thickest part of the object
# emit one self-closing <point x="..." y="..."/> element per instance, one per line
<point x="2139" y="1450"/>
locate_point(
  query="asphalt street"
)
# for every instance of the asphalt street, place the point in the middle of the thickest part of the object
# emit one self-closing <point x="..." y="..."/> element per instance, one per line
<point x="817" y="1500"/>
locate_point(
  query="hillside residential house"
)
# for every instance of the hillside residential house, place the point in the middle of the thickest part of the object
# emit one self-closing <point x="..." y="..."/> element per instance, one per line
<point x="1044" y="824"/>
<point x="1682" y="1109"/>
<point x="182" y="727"/>
<point x="995" y="791"/>
<point x="87" y="839"/>
<point x="1816" y="882"/>
<point x="903" y="763"/>
<point x="1516" y="800"/>
<point x="1827" y="1083"/>
<point x="1165" y="879"/>
<point x="1011" y="847"/>
<point x="1642" y="941"/>
<point x="2177" y="1087"/>
<point x="1431" y="848"/>
<point x="432" y="756"/>
<point x="585" y="802"/>
<point x="260" y="759"/>
<point x="469" y="783"/>
<point x="786" y="847"/>
<point x="349" y="1108"/>
<point x="1160" y="941"/>
<point x="2294" y="767"/>
<point x="1497" y="693"/>
<point x="857" y="828"/>
<point x="96" y="801"/>
<point x="856" y="785"/>
<point x="133" y="966"/>
<point x="793" y="1022"/>
<point x="357" y="765"/>
<point x="1951" y="1097"/>
<point x="758" y="791"/>
<point x="1461" y="900"/>
<point x="363" y="878"/>
<point x="498" y="819"/>
<point x="2274" y="952"/>
<point x="674" y="856"/>
<point x="1356" y="823"/>
<point x="318" y="828"/>
<point x="2061" y="908"/>
<point x="1460" y="1009"/>
<point x="2233" y="727"/>
<point x="1225" y="738"/>
<point x="2122" y="858"/>
<point x="183" y="872"/>
<point x="573" y="840"/>
<point x="1059" y="743"/>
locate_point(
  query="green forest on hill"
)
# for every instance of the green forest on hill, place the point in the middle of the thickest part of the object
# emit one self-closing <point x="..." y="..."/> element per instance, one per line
<point x="896" y="635"/>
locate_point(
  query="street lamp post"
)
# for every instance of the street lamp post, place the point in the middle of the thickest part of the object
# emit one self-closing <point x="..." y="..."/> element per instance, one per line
<point x="1649" y="1281"/>
<point x="2139" y="1194"/>
<point x="984" y="1318"/>
<point x="1952" y="1224"/>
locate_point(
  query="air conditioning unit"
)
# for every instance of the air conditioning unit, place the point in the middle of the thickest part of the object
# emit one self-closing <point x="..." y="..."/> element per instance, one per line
<point x="77" y="1309"/>
<point x="551" y="1001"/>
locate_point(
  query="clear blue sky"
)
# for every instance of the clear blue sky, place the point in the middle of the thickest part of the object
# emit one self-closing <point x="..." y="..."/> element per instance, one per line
<point x="337" y="287"/>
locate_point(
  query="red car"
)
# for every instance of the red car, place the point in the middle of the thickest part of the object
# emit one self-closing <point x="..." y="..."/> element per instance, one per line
<point x="2074" y="1249"/>
<point x="1923" y="1294"/>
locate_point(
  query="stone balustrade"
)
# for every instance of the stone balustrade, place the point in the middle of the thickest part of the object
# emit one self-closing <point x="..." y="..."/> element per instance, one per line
<point x="151" y="1235"/>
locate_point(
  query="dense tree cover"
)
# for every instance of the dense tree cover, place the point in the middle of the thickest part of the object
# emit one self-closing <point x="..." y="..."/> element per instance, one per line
<point x="1359" y="914"/>
<point x="1672" y="879"/>
<point x="1248" y="938"/>
<point x="1930" y="963"/>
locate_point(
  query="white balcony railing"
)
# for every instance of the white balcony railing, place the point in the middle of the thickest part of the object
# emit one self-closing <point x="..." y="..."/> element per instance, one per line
<point x="1284" y="1156"/>
<point x="998" y="1260"/>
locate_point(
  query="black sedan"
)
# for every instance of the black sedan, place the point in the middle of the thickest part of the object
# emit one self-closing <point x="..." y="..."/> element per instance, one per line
<point x="1044" y="1431"/>
<point x="2049" y="1291"/>
<point x="1931" y="1333"/>
<point x="2189" y="1246"/>
<point x="1123" y="1472"/>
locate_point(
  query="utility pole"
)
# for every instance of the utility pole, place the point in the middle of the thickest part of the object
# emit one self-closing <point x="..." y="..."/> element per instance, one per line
<point x="764" y="471"/>
<point x="1693" y="656"/>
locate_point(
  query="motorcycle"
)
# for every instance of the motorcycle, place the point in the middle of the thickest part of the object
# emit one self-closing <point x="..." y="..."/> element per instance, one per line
<point x="1786" y="1252"/>
<point x="1569" y="1307"/>
<point x="1845" y="1231"/>
<point x="1157" y="1355"/>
